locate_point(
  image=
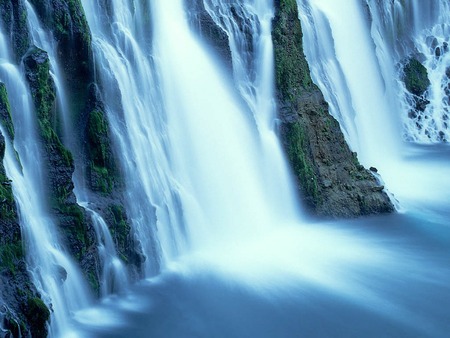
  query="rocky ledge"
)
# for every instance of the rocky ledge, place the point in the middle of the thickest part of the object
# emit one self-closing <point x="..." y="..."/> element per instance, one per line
<point x="330" y="180"/>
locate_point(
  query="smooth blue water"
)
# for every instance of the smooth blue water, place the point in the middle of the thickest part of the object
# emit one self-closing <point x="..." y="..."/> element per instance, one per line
<point x="384" y="276"/>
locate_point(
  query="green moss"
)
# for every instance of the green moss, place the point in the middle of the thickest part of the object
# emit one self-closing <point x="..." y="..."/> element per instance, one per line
<point x="38" y="315"/>
<point x="5" y="111"/>
<point x="103" y="179"/>
<point x="43" y="92"/>
<point x="100" y="152"/>
<point x="7" y="204"/>
<point x="416" y="77"/>
<point x="120" y="229"/>
<point x="291" y="69"/>
<point x="97" y="133"/>
<point x="93" y="282"/>
<point x="301" y="161"/>
<point x="10" y="254"/>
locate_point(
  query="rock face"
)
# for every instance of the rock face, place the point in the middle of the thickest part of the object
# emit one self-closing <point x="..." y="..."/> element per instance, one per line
<point x="19" y="301"/>
<point x="205" y="26"/>
<point x="415" y="77"/>
<point x="330" y="179"/>
<point x="14" y="16"/>
<point x="67" y="21"/>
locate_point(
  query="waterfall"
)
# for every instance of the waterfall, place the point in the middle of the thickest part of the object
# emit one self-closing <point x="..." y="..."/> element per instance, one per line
<point x="369" y="42"/>
<point x="113" y="269"/>
<point x="53" y="272"/>
<point x="180" y="127"/>
<point x="249" y="28"/>
<point x="125" y="69"/>
<point x="341" y="53"/>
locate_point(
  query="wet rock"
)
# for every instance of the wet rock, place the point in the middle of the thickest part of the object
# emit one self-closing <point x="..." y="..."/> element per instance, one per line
<point x="330" y="180"/>
<point x="415" y="77"/>
<point x="205" y="26"/>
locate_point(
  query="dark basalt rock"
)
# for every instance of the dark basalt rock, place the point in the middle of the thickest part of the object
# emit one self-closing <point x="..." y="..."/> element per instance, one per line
<point x="13" y="14"/>
<point x="330" y="179"/>
<point x="106" y="182"/>
<point x="205" y="26"/>
<point x="16" y="290"/>
<point x="70" y="217"/>
<point x="415" y="77"/>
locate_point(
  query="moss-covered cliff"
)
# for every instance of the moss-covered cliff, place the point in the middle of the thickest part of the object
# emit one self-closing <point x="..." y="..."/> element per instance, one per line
<point x="330" y="180"/>
<point x="14" y="19"/>
<point x="92" y="143"/>
<point x="24" y="310"/>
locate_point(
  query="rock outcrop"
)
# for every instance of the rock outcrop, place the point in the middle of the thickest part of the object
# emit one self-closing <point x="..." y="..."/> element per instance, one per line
<point x="330" y="180"/>
<point x="207" y="29"/>
<point x="14" y="17"/>
<point x="20" y="304"/>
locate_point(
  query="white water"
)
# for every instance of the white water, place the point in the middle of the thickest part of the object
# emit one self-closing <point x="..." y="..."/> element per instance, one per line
<point x="46" y="255"/>
<point x="253" y="71"/>
<point x="112" y="278"/>
<point x="139" y="128"/>
<point x="209" y="196"/>
<point x="356" y="64"/>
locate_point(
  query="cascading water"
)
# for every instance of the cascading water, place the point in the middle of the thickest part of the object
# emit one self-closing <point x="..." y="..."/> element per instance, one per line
<point x="347" y="44"/>
<point x="248" y="26"/>
<point x="209" y="196"/>
<point x="208" y="127"/>
<point x="367" y="114"/>
<point x="430" y="44"/>
<point x="138" y="123"/>
<point x="113" y="269"/>
<point x="177" y="153"/>
<point x="52" y="270"/>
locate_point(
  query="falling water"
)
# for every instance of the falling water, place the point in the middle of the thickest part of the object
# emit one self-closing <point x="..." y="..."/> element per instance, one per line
<point x="125" y="68"/>
<point x="342" y="56"/>
<point x="249" y="28"/>
<point x="52" y="271"/>
<point x="356" y="42"/>
<point x="207" y="187"/>
<point x="113" y="269"/>
<point x="430" y="45"/>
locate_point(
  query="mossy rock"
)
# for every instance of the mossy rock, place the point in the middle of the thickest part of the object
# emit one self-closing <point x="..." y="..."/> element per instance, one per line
<point x="330" y="180"/>
<point x="37" y="315"/>
<point x="292" y="74"/>
<point x="415" y="77"/>
<point x="7" y="203"/>
<point x="102" y="170"/>
<point x="13" y="15"/>
<point x="5" y="112"/>
<point x="298" y="152"/>
<point x="10" y="255"/>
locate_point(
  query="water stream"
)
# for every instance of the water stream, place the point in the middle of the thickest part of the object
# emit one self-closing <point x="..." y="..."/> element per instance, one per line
<point x="210" y="198"/>
<point x="54" y="273"/>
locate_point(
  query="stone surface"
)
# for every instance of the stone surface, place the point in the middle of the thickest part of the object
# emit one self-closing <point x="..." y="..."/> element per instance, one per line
<point x="330" y="180"/>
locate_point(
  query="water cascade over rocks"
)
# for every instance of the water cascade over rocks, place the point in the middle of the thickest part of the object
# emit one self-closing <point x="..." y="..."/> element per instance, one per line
<point x="175" y="168"/>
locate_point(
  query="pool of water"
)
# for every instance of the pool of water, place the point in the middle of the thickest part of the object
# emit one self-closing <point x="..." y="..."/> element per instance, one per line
<point x="384" y="276"/>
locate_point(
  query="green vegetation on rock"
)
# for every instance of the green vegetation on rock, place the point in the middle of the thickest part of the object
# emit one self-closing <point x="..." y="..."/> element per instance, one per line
<point x="120" y="230"/>
<point x="330" y="179"/>
<point x="102" y="176"/>
<point x="416" y="77"/>
<point x="297" y="148"/>
<point x="37" y="314"/>
<point x="10" y="254"/>
<point x="5" y="111"/>
<point x="291" y="69"/>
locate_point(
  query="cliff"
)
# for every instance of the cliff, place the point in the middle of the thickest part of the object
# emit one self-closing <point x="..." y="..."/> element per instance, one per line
<point x="330" y="180"/>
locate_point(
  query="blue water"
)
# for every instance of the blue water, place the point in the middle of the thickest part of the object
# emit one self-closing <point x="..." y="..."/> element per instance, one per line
<point x="384" y="276"/>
